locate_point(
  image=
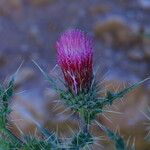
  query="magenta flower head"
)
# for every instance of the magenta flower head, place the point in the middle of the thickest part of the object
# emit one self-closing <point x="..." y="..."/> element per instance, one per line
<point x="75" y="51"/>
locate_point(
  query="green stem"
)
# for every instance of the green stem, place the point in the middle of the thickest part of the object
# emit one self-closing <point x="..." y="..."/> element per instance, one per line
<point x="83" y="126"/>
<point x="83" y="121"/>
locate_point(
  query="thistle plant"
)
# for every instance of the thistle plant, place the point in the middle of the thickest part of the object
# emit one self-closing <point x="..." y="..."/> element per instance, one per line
<point x="81" y="95"/>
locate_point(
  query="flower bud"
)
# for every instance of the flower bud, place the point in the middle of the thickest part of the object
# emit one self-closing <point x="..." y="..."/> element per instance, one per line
<point x="74" y="55"/>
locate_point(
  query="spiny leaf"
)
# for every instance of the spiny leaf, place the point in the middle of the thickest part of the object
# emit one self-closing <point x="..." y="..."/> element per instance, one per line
<point x="115" y="137"/>
<point x="81" y="140"/>
<point x="113" y="96"/>
<point x="35" y="144"/>
<point x="9" y="91"/>
<point x="49" y="79"/>
<point x="50" y="137"/>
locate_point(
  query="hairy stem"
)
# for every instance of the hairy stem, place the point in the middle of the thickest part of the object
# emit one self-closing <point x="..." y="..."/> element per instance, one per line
<point x="83" y="125"/>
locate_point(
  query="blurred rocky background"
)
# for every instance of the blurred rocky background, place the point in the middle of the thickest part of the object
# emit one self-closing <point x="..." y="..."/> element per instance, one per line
<point x="29" y="30"/>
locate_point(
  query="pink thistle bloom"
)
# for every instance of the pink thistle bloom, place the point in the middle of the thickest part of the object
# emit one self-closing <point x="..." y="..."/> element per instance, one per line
<point x="75" y="51"/>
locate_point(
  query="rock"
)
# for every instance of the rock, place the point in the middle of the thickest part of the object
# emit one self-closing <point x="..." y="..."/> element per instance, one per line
<point x="24" y="75"/>
<point x="99" y="9"/>
<point x="26" y="114"/>
<point x="15" y="4"/>
<point x="115" y="32"/>
<point x="40" y="2"/>
<point x="146" y="47"/>
<point x="147" y="52"/>
<point x="2" y="60"/>
<point x="136" y="55"/>
<point x="9" y="6"/>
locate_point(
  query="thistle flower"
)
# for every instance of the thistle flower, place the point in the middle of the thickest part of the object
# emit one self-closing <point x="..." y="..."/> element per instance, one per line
<point x="75" y="51"/>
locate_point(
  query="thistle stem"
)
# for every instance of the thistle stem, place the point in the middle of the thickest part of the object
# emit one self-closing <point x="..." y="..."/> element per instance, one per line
<point x="83" y="125"/>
